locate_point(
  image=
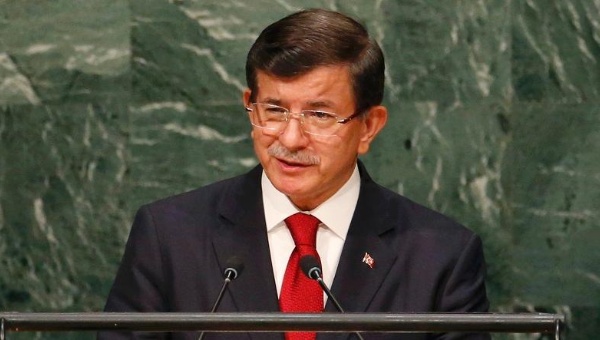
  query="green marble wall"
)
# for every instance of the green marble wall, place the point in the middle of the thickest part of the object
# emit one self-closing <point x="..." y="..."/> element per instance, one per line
<point x="107" y="104"/>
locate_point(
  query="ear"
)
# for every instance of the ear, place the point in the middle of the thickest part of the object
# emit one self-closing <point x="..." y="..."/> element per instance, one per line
<point x="246" y="99"/>
<point x="373" y="122"/>
<point x="246" y="96"/>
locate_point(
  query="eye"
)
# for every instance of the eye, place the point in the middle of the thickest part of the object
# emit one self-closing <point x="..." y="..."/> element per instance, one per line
<point x="274" y="110"/>
<point x="319" y="115"/>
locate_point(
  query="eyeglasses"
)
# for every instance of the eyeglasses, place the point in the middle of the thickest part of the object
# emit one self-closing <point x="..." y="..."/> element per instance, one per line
<point x="273" y="119"/>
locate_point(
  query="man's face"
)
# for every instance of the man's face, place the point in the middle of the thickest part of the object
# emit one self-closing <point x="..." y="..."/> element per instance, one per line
<point x="307" y="168"/>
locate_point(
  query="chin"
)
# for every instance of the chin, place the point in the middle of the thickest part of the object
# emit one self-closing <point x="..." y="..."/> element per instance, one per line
<point x="289" y="189"/>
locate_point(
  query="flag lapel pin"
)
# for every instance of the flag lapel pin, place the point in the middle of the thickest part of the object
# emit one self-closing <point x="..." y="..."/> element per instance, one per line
<point x="368" y="260"/>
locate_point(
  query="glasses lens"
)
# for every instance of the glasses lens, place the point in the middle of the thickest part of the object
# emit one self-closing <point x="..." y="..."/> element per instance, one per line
<point x="320" y="122"/>
<point x="271" y="118"/>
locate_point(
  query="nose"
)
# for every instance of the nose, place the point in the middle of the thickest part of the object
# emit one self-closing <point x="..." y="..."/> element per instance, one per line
<point x="292" y="136"/>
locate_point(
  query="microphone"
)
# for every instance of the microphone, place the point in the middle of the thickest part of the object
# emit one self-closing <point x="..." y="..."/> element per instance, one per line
<point x="233" y="268"/>
<point x="312" y="269"/>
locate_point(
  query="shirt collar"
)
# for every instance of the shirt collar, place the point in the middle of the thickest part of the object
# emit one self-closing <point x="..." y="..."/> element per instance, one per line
<point x="335" y="213"/>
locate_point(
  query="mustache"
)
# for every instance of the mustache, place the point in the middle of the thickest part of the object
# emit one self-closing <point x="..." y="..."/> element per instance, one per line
<point x="301" y="156"/>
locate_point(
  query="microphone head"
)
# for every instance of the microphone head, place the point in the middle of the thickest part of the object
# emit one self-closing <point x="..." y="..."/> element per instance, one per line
<point x="233" y="267"/>
<point x="310" y="267"/>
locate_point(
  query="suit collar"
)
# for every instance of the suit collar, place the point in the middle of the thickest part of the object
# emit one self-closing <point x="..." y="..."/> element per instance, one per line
<point x="355" y="282"/>
<point x="243" y="233"/>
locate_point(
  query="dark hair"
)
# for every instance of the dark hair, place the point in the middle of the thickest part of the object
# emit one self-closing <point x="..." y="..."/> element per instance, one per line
<point x="311" y="38"/>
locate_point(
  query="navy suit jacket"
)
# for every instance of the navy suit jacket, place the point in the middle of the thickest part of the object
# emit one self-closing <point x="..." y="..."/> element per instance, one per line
<point x="178" y="247"/>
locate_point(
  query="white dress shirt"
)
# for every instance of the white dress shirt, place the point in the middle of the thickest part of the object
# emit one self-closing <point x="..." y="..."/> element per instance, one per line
<point x="335" y="215"/>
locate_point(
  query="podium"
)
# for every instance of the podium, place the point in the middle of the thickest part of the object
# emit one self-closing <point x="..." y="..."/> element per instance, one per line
<point x="279" y="322"/>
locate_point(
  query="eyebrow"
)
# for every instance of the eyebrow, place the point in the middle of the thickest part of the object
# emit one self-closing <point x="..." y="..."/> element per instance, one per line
<point x="311" y="104"/>
<point x="321" y="103"/>
<point x="271" y="101"/>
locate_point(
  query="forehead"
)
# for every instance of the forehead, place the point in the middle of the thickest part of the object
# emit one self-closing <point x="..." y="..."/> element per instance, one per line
<point x="323" y="84"/>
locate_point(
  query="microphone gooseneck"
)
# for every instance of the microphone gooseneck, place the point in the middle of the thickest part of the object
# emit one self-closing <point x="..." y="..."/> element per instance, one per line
<point x="233" y="268"/>
<point x="312" y="269"/>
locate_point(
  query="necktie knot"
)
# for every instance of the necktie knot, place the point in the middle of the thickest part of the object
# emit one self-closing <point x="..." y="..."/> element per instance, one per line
<point x="303" y="228"/>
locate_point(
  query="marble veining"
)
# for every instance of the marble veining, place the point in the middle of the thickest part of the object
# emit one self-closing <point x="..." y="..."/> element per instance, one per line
<point x="494" y="120"/>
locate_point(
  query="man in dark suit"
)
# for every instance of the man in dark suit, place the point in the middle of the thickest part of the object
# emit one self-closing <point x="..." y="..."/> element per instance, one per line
<point x="315" y="83"/>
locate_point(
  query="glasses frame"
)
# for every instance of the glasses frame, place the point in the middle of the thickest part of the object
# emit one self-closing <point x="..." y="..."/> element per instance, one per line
<point x="301" y="116"/>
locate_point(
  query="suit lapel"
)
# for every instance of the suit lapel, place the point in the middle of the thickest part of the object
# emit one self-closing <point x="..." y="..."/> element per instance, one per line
<point x="356" y="283"/>
<point x="243" y="233"/>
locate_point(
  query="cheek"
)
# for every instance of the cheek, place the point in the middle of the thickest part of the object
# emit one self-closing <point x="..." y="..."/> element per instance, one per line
<point x="332" y="152"/>
<point x="257" y="137"/>
<point x="339" y="147"/>
<point x="261" y="142"/>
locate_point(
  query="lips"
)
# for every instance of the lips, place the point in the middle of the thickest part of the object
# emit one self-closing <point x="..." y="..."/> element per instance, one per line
<point x="292" y="163"/>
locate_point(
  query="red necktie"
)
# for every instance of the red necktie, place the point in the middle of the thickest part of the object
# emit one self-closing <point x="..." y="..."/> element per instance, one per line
<point x="298" y="292"/>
